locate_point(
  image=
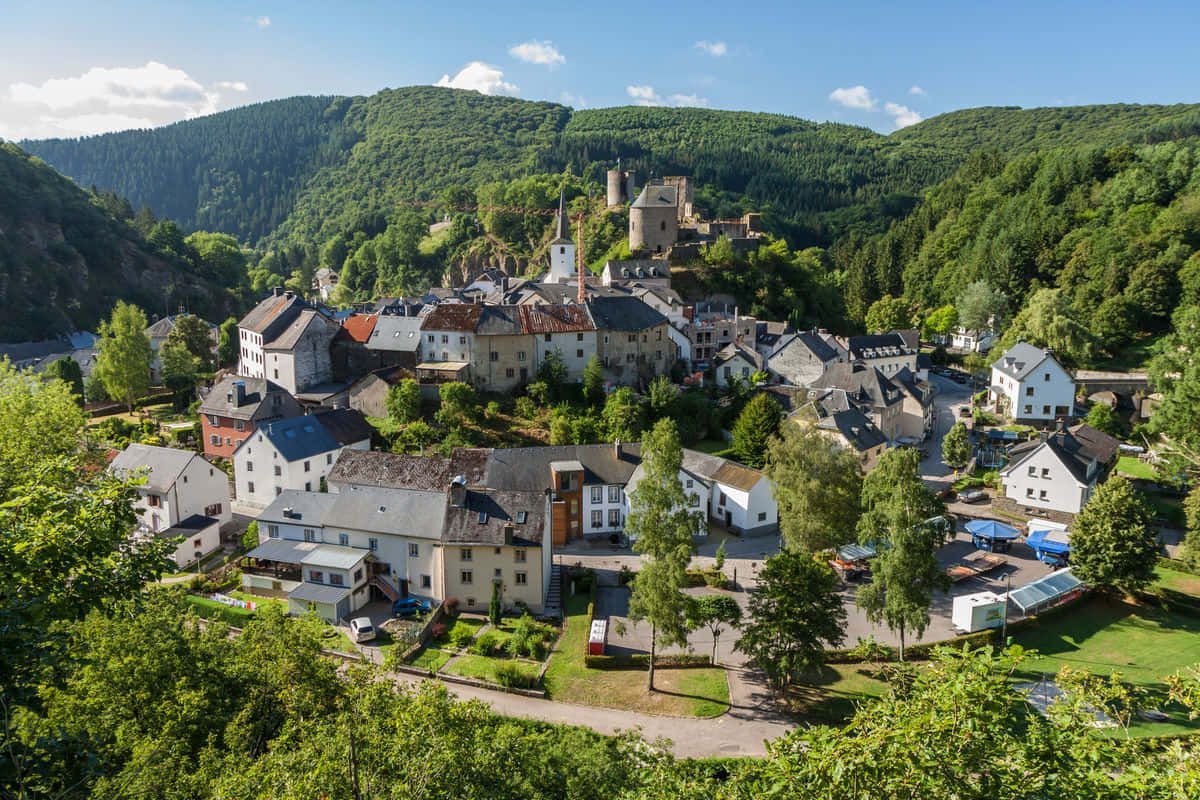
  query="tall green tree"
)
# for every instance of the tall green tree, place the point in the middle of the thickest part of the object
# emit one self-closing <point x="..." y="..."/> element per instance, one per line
<point x="459" y="403"/>
<point x="179" y="368"/>
<point x="553" y="373"/>
<point x="661" y="527"/>
<point x="897" y="509"/>
<point x="817" y="489"/>
<point x="623" y="415"/>
<point x="940" y="321"/>
<point x="196" y="336"/>
<point x="68" y="371"/>
<point x="1049" y="320"/>
<point x="715" y="612"/>
<point x="404" y="401"/>
<point x="1191" y="541"/>
<point x="1102" y="417"/>
<point x="981" y="306"/>
<point x="795" y="615"/>
<point x="1175" y="372"/>
<point x="956" y="446"/>
<point x="664" y="398"/>
<point x="1113" y="546"/>
<point x="227" y="346"/>
<point x="754" y="429"/>
<point x="123" y="360"/>
<point x="888" y="314"/>
<point x="593" y="381"/>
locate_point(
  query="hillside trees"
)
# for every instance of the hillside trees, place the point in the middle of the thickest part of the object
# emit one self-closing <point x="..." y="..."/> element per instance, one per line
<point x="1176" y="373"/>
<point x="981" y="307"/>
<point x="887" y="314"/>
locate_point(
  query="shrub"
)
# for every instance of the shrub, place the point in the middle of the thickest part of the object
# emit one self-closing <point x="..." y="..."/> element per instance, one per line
<point x="526" y="408"/>
<point x="528" y="638"/>
<point x="438" y="630"/>
<point x="460" y="636"/>
<point x="485" y="645"/>
<point x="626" y="575"/>
<point x="509" y="674"/>
<point x="642" y="661"/>
<point x="451" y="606"/>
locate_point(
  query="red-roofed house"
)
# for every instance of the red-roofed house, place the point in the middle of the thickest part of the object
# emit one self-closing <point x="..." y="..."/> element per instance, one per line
<point x="351" y="356"/>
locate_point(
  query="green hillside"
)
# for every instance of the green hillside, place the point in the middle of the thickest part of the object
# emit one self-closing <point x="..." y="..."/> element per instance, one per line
<point x="1014" y="130"/>
<point x="64" y="260"/>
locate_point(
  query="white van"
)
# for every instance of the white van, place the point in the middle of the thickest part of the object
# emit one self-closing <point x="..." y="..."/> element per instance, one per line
<point x="361" y="629"/>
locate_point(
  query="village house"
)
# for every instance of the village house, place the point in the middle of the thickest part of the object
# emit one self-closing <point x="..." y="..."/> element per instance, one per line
<point x="567" y="330"/>
<point x="1058" y="473"/>
<point x="236" y="406"/>
<point x="799" y="359"/>
<point x="713" y="328"/>
<point x="295" y="453"/>
<point x="887" y="352"/>
<point x="286" y="341"/>
<point x="971" y="340"/>
<point x="916" y="409"/>
<point x="369" y="393"/>
<point x="1030" y="385"/>
<point x="159" y="331"/>
<point x="396" y="341"/>
<point x="737" y="362"/>
<point x="868" y="390"/>
<point x="178" y="484"/>
<point x="633" y="340"/>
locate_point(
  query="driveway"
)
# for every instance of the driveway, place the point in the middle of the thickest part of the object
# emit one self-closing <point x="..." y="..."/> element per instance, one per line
<point x="950" y="397"/>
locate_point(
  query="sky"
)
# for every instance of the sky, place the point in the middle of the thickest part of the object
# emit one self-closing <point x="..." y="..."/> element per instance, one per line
<point x="80" y="67"/>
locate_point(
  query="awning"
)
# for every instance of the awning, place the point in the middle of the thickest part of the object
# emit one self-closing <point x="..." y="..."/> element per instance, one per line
<point x="854" y="552"/>
<point x="991" y="529"/>
<point x="1051" y="541"/>
<point x="1045" y="591"/>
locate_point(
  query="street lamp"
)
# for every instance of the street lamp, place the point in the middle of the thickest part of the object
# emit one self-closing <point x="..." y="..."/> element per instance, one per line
<point x="1007" y="591"/>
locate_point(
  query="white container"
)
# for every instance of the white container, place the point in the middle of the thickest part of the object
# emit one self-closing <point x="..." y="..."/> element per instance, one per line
<point x="977" y="612"/>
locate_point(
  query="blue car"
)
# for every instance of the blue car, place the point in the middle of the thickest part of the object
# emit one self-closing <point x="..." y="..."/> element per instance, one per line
<point x="407" y="606"/>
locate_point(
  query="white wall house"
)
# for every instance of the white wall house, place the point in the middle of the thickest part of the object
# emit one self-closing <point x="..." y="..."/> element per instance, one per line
<point x="197" y="537"/>
<point x="178" y="484"/>
<point x="1029" y="384"/>
<point x="1059" y="473"/>
<point x="295" y="453"/>
<point x="741" y="500"/>
<point x="971" y="340"/>
<point x="286" y="341"/>
<point x="695" y="488"/>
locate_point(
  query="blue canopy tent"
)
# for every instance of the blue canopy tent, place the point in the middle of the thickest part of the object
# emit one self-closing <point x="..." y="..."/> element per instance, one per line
<point x="1050" y="546"/>
<point x="988" y="534"/>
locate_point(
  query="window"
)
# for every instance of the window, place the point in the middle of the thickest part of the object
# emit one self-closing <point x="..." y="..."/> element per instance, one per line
<point x="579" y="353"/>
<point x="414" y="550"/>
<point x="547" y="336"/>
<point x="278" y="470"/>
<point x="721" y="499"/>
<point x="520" y="355"/>
<point x="431" y="339"/>
<point x="614" y="494"/>
<point x="521" y="517"/>
<point x="214" y="420"/>
<point x="372" y="544"/>
<point x="239" y="425"/>
<point x="358" y="575"/>
<point x="278" y="491"/>
<point x="519" y="556"/>
<point x="493" y="356"/>
<point x="445" y="339"/>
<point x="762" y="516"/>
<point x="335" y="579"/>
<point x="1029" y="391"/>
<point x="1045" y="472"/>
<point x="1045" y="409"/>
<point x="745" y="371"/>
<point x="308" y="466"/>
<point x="470" y="602"/>
<point x="228" y="440"/>
<point x="521" y="579"/>
<point x="508" y="373"/>
<point x="213" y="511"/>
<point x="329" y="458"/>
<point x="614" y="518"/>
<point x="498" y="573"/>
<point x="728" y="372"/>
<point x="1042" y="495"/>
<point x="694" y="500"/>
<point x="273" y="531"/>
<point x="310" y="535"/>
<point x="308" y="486"/>
<point x="344" y="539"/>
<point x="597" y="495"/>
<point x="1028" y="409"/>
<point x="465" y="554"/>
<point x="462" y="340"/>
<point x="1046" y="377"/>
<point x="316" y="576"/>
<point x="465" y="576"/>
<point x="597" y="519"/>
<point x="688" y="483"/>
<point x="250" y="487"/>
<point x="658" y="355"/>
<point x="426" y="582"/>
<point x="1060" y="411"/>
<point x="249" y="466"/>
<point x="1032" y="472"/>
<point x="1029" y="492"/>
<point x="579" y="337"/>
<point x="574" y="508"/>
<point x="214" y="439"/>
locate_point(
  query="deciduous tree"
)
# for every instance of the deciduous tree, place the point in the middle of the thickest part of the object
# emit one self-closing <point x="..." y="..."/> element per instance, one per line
<point x="956" y="446"/>
<point x="888" y="314"/>
<point x="404" y="401"/>
<point x="715" y="612"/>
<point x="940" y="321"/>
<point x="817" y="489"/>
<point x="593" y="381"/>
<point x="623" y="415"/>
<point x="123" y="360"/>
<point x="1102" y="417"/>
<point x="980" y="306"/>
<point x="1113" y="546"/>
<point x="1048" y="320"/>
<point x="794" y="616"/>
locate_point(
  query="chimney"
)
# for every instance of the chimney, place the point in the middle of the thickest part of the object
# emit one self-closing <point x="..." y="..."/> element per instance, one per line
<point x="458" y="492"/>
<point x="289" y="294"/>
<point x="276" y="291"/>
<point x="239" y="393"/>
<point x="508" y="533"/>
<point x="617" y="449"/>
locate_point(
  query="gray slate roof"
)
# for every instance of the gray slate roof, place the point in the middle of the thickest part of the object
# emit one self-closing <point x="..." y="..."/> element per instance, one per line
<point x="335" y="557"/>
<point x="394" y="511"/>
<point x="854" y="427"/>
<point x="1020" y="360"/>
<point x="624" y="314"/>
<point x="866" y="385"/>
<point x="307" y="508"/>
<point x="347" y="426"/>
<point x="189" y="526"/>
<point x="462" y="523"/>
<point x="421" y="473"/>
<point x="222" y="399"/>
<point x="499" y="321"/>
<point x="527" y="469"/>
<point x="1076" y="449"/>
<point x="164" y="463"/>
<point x="319" y="593"/>
<point x="396" y="334"/>
<point x="733" y="350"/>
<point x="656" y="196"/>
<point x="270" y="310"/>
<point x="884" y="345"/>
<point x="296" y="438"/>
<point x="307" y="318"/>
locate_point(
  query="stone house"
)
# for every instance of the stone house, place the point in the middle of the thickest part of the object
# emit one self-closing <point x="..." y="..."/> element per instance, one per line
<point x="369" y="393"/>
<point x="737" y="362"/>
<point x="633" y="340"/>
<point x="236" y="406"/>
<point x="887" y="352"/>
<point x="868" y="390"/>
<point x="800" y="359"/>
<point x="286" y="341"/>
<point x="565" y="329"/>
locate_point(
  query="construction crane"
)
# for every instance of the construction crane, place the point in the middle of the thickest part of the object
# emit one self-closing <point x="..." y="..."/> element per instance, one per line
<point x="494" y="209"/>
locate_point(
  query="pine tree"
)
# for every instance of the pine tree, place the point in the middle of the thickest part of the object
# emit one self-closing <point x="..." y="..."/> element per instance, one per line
<point x="1113" y="546"/>
<point x="758" y="422"/>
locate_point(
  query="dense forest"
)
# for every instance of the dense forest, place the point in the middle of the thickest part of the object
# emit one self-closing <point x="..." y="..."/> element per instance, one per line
<point x="65" y="259"/>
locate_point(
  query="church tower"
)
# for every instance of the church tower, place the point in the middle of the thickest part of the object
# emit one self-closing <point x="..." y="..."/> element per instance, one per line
<point x="562" y="249"/>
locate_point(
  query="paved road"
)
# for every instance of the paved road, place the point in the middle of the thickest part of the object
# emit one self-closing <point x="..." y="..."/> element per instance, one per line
<point x="949" y="398"/>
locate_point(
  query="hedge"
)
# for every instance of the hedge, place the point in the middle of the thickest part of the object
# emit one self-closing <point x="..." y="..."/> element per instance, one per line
<point x="1175" y="565"/>
<point x="707" y="577"/>
<point x="642" y="661"/>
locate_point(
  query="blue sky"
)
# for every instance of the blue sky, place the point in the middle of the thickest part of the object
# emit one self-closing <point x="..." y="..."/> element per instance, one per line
<point x="71" y="68"/>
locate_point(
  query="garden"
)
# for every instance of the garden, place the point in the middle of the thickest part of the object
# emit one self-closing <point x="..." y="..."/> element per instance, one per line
<point x="510" y="654"/>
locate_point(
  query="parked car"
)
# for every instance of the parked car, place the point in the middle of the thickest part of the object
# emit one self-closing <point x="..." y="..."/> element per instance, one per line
<point x="948" y="494"/>
<point x="965" y="411"/>
<point x="361" y="629"/>
<point x="407" y="606"/>
<point x="972" y="496"/>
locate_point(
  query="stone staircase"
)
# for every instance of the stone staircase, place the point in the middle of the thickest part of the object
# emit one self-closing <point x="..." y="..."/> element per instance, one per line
<point x="554" y="604"/>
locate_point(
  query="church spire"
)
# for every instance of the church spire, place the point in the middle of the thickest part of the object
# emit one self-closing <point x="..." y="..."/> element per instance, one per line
<point x="562" y="227"/>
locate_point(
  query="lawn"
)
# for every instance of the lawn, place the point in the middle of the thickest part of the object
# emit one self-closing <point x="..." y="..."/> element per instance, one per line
<point x="709" y="446"/>
<point x="1136" y="468"/>
<point x="260" y="602"/>
<point x="700" y="692"/>
<point x="459" y="631"/>
<point x="483" y="668"/>
<point x="1144" y="644"/>
<point x="211" y="609"/>
<point x="1167" y="580"/>
<point x="1167" y="509"/>
<point x="429" y="658"/>
<point x="830" y="693"/>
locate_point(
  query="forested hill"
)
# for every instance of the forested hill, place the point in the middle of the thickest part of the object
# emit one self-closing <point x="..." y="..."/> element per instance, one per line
<point x="65" y="260"/>
<point x="1014" y="130"/>
<point x="306" y="167"/>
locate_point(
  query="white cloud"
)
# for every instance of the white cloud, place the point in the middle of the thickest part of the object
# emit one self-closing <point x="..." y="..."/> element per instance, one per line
<point x="688" y="100"/>
<point x="917" y="90"/>
<point x="105" y="99"/>
<point x="573" y="100"/>
<point x="263" y="21"/>
<point x="854" y="97"/>
<point x="479" y="77"/>
<point x="903" y="116"/>
<point x="644" y="95"/>
<point x="712" y="48"/>
<point x="535" y="52"/>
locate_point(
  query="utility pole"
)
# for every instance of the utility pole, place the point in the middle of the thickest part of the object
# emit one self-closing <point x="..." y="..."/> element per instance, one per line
<point x="1007" y="592"/>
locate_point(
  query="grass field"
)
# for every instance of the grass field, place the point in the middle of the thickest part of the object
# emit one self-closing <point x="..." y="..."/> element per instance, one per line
<point x="485" y="668"/>
<point x="709" y="446"/>
<point x="1180" y="582"/>
<point x="700" y="692"/>
<point x="211" y="609"/>
<point x="1136" y="468"/>
<point x="459" y="630"/>
<point x="830" y="693"/>
<point x="429" y="658"/>
<point x="1143" y="644"/>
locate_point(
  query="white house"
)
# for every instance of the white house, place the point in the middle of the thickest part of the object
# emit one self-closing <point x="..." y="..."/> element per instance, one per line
<point x="737" y="362"/>
<point x="1029" y="384"/>
<point x="295" y="453"/>
<point x="1059" y="473"/>
<point x="740" y="497"/>
<point x="973" y="341"/>
<point x="286" y="341"/>
<point x="696" y="488"/>
<point x="195" y="537"/>
<point x="178" y="484"/>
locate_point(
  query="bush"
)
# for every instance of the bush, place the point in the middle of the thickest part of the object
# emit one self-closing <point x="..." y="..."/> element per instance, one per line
<point x="707" y="577"/>
<point x="626" y="575"/>
<point x="438" y="630"/>
<point x="250" y="537"/>
<point x="526" y="408"/>
<point x="459" y="637"/>
<point x="529" y="638"/>
<point x="510" y="674"/>
<point x="642" y="661"/>
<point x="485" y="645"/>
<point x="451" y="606"/>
